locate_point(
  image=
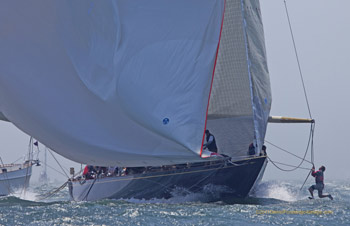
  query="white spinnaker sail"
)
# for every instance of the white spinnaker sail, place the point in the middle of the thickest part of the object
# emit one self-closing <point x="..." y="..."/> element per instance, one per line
<point x="110" y="82"/>
<point x="2" y="117"/>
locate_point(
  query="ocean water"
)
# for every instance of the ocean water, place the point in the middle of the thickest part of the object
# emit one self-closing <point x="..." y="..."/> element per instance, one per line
<point x="274" y="202"/>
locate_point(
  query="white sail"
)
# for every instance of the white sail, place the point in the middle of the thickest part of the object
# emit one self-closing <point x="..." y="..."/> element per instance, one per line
<point x="2" y="117"/>
<point x="240" y="101"/>
<point x="128" y="82"/>
<point x="110" y="82"/>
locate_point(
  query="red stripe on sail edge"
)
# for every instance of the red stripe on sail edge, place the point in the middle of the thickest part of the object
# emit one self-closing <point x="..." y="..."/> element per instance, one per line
<point x="212" y="78"/>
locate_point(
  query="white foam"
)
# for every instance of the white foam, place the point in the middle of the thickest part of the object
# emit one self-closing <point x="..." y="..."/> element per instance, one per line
<point x="277" y="190"/>
<point x="25" y="195"/>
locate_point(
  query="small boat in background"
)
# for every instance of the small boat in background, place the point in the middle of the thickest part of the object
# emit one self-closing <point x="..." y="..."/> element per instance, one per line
<point x="14" y="177"/>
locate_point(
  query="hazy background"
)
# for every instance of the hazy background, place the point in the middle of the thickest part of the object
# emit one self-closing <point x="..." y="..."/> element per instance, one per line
<point x="322" y="34"/>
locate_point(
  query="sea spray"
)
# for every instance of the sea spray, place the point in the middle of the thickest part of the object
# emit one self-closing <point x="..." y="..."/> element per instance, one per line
<point x="277" y="190"/>
<point x="186" y="208"/>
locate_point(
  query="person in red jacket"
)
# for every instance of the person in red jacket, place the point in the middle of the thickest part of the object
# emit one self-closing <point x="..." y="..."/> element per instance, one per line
<point x="87" y="173"/>
<point x="319" y="183"/>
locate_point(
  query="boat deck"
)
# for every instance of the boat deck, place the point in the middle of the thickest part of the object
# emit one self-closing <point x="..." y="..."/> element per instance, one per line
<point x="6" y="168"/>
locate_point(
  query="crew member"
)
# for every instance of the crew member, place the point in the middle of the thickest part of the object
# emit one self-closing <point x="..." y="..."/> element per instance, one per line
<point x="88" y="172"/>
<point x="319" y="183"/>
<point x="251" y="149"/>
<point x="263" y="151"/>
<point x="211" y="143"/>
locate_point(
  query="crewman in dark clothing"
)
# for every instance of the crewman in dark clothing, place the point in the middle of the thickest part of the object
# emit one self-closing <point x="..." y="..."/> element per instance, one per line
<point x="263" y="151"/>
<point x="319" y="183"/>
<point x="211" y="143"/>
<point x="251" y="149"/>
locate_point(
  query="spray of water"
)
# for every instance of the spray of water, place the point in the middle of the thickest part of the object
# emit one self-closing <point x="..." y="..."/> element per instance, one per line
<point x="277" y="190"/>
<point x="27" y="195"/>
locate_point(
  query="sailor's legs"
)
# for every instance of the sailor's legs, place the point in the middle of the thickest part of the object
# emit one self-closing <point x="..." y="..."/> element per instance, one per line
<point x="319" y="187"/>
<point x="311" y="190"/>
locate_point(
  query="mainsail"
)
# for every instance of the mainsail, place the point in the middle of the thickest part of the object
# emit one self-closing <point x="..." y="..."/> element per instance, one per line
<point x="128" y="82"/>
<point x="241" y="98"/>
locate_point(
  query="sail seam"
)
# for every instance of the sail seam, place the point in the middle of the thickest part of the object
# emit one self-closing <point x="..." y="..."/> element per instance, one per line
<point x="245" y="34"/>
<point x="212" y="79"/>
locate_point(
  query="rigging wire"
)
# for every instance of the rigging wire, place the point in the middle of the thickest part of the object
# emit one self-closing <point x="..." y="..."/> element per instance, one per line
<point x="312" y="145"/>
<point x="88" y="192"/>
<point x="287" y="151"/>
<point x="29" y="162"/>
<point x="306" y="151"/>
<point x="312" y="159"/>
<point x="58" y="163"/>
<point x="22" y="157"/>
<point x="52" y="192"/>
<point x="305" y="93"/>
<point x="55" y="190"/>
<point x="54" y="169"/>
<point x="305" y="180"/>
<point x="297" y="57"/>
<point x="281" y="163"/>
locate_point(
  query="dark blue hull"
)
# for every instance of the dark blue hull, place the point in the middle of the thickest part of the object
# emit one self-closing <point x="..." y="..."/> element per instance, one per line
<point x="235" y="179"/>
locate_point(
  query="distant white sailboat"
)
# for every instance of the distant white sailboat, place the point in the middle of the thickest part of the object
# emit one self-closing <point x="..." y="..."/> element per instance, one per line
<point x="16" y="177"/>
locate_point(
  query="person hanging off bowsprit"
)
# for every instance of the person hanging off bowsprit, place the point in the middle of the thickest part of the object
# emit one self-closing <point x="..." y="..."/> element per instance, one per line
<point x="319" y="183"/>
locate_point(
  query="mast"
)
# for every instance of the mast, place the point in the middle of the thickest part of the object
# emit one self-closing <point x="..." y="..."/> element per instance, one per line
<point x="45" y="168"/>
<point x="43" y="175"/>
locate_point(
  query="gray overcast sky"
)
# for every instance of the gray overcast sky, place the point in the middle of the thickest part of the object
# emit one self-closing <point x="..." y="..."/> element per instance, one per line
<point x="322" y="34"/>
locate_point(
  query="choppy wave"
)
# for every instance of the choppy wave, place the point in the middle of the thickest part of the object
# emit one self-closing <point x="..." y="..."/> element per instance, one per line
<point x="26" y="195"/>
<point x="266" y="193"/>
<point x="210" y="193"/>
<point x="273" y="202"/>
